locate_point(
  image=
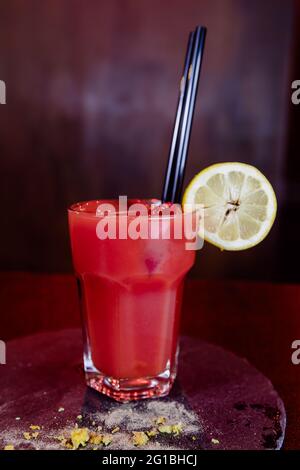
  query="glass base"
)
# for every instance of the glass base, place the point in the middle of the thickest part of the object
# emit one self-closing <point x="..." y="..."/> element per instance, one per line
<point x="124" y="390"/>
<point x="129" y="389"/>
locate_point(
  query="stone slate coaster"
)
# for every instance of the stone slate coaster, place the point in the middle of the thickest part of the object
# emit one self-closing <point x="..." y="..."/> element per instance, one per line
<point x="221" y="401"/>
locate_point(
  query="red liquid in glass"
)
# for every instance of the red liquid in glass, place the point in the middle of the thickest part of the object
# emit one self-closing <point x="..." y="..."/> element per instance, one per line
<point x="131" y="297"/>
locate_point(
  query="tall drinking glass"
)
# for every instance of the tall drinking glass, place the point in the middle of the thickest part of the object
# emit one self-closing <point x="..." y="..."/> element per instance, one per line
<point x="130" y="294"/>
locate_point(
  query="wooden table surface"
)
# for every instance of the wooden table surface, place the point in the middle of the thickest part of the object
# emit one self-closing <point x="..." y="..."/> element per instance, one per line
<point x="256" y="320"/>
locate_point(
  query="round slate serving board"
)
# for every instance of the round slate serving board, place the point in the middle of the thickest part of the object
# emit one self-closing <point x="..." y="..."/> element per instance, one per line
<point x="221" y="400"/>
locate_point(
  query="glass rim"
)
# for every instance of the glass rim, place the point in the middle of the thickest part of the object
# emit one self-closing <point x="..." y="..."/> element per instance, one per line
<point x="73" y="208"/>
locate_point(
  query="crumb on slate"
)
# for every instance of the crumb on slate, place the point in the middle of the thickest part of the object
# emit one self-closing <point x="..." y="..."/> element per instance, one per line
<point x="140" y="438"/>
<point x="165" y="429"/>
<point x="79" y="437"/>
<point x="215" y="441"/>
<point x="96" y="439"/>
<point x="106" y="440"/>
<point x="177" y="429"/>
<point x="152" y="433"/>
<point x="9" y="447"/>
<point x="28" y="436"/>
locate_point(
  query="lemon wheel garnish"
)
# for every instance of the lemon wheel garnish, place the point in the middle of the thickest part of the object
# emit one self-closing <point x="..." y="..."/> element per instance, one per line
<point x="239" y="204"/>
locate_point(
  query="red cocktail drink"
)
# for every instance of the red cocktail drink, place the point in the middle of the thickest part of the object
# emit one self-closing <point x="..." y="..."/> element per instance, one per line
<point x="130" y="298"/>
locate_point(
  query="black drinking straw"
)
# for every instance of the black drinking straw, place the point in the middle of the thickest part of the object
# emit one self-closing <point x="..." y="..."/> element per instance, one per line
<point x="169" y="177"/>
<point x="184" y="117"/>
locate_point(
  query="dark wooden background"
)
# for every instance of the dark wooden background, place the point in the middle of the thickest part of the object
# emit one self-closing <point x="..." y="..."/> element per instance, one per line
<point x="91" y="95"/>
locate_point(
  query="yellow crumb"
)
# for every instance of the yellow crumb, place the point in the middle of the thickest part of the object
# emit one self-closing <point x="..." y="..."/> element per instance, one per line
<point x="117" y="429"/>
<point x="165" y="429"/>
<point x="153" y="432"/>
<point x="34" y="427"/>
<point x="160" y="420"/>
<point x="79" y="417"/>
<point x="177" y="429"/>
<point x="215" y="441"/>
<point x="27" y="436"/>
<point x="68" y="445"/>
<point x="79" y="437"/>
<point x="140" y="438"/>
<point x="96" y="439"/>
<point x="61" y="409"/>
<point x="194" y="438"/>
<point x="9" y="447"/>
<point x="106" y="440"/>
<point x="34" y="435"/>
